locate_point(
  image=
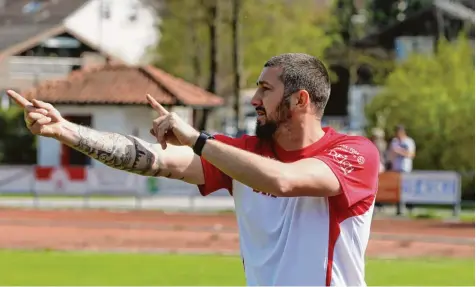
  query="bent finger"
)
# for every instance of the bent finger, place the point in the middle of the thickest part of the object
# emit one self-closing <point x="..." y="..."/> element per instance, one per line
<point x="155" y="125"/>
<point x="31" y="108"/>
<point x="162" y="130"/>
<point x="43" y="105"/>
<point x="34" y="116"/>
<point x="44" y="121"/>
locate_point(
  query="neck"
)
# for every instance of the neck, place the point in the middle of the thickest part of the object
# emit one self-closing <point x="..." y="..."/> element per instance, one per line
<point x="295" y="136"/>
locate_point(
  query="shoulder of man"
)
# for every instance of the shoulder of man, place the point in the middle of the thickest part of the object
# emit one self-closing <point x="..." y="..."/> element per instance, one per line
<point x="340" y="138"/>
<point x="355" y="160"/>
<point x="243" y="141"/>
<point x="354" y="146"/>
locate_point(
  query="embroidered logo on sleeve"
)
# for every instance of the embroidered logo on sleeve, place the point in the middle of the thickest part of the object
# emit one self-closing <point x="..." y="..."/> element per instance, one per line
<point x="344" y="155"/>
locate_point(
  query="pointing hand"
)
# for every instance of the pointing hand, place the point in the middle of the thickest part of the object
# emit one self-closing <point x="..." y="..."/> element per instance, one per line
<point x="170" y="128"/>
<point x="41" y="118"/>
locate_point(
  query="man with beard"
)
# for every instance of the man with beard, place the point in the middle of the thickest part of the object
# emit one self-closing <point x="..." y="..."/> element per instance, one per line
<point x="304" y="194"/>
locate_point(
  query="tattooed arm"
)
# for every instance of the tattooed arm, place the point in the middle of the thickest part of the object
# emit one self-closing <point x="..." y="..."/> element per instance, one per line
<point x="134" y="155"/>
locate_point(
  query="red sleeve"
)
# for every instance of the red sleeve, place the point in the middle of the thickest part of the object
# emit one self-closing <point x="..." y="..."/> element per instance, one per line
<point x="215" y="179"/>
<point x="355" y="162"/>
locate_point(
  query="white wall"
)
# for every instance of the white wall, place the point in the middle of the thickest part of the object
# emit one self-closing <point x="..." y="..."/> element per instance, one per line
<point x="119" y="119"/>
<point x="116" y="35"/>
<point x="359" y="97"/>
<point x="48" y="152"/>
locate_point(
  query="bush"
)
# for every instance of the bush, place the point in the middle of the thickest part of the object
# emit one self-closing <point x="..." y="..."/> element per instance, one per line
<point x="433" y="96"/>
<point x="17" y="144"/>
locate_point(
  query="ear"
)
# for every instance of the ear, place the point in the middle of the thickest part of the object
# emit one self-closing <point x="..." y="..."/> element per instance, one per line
<point x="302" y="99"/>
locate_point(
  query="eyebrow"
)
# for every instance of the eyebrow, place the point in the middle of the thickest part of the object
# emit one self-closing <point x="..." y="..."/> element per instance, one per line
<point x="261" y="83"/>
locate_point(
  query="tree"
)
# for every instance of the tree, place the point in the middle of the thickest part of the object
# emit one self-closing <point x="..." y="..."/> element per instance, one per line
<point x="184" y="40"/>
<point x="267" y="28"/>
<point x="17" y="145"/>
<point x="189" y="28"/>
<point x="235" y="31"/>
<point x="433" y="96"/>
<point x="271" y="27"/>
<point x="386" y="12"/>
<point x="348" y="22"/>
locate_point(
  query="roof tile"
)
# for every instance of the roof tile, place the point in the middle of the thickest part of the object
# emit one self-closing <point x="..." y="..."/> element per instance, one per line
<point x="183" y="90"/>
<point x="121" y="84"/>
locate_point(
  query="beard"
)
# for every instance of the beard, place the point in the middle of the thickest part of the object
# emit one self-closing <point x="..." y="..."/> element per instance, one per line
<point x="267" y="130"/>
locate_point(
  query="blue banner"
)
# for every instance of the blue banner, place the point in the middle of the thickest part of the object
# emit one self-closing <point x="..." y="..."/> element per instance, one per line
<point x="431" y="187"/>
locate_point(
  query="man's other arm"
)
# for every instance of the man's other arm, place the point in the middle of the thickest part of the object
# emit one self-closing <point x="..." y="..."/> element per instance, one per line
<point x="331" y="174"/>
<point x="307" y="177"/>
<point x="129" y="153"/>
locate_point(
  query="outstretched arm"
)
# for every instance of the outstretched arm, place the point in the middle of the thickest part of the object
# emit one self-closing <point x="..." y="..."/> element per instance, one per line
<point x="132" y="154"/>
<point x="118" y="151"/>
<point x="115" y="150"/>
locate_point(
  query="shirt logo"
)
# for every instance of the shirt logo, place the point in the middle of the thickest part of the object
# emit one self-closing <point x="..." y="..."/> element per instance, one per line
<point x="360" y="159"/>
<point x="343" y="155"/>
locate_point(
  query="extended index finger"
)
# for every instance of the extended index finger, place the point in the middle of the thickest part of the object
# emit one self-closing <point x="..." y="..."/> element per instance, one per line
<point x="156" y="106"/>
<point x="21" y="101"/>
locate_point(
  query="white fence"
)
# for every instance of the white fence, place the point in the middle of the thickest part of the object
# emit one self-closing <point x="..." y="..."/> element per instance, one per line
<point x="89" y="181"/>
<point x="77" y="185"/>
<point x="419" y="187"/>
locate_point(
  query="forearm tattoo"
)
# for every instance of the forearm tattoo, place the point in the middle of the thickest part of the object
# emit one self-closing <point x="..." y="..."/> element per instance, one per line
<point x="119" y="151"/>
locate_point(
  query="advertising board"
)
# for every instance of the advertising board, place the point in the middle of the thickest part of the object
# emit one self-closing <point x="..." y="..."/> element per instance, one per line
<point x="431" y="187"/>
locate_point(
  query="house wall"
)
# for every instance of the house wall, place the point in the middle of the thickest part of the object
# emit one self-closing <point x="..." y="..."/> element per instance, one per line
<point x="119" y="119"/>
<point x="20" y="73"/>
<point x="359" y="97"/>
<point x="136" y="33"/>
<point x="8" y="82"/>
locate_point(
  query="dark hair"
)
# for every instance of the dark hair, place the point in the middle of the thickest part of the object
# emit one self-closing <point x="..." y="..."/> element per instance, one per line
<point x="399" y="127"/>
<point x="303" y="72"/>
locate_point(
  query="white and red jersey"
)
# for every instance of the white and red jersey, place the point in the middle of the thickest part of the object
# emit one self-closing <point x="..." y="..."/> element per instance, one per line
<point x="305" y="240"/>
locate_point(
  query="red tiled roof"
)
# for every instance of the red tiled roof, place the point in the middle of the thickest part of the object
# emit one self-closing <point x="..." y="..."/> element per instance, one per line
<point x="121" y="84"/>
<point x="182" y="89"/>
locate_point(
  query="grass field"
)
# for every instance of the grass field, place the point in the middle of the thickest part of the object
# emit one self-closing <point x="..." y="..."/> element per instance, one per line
<point x="79" y="268"/>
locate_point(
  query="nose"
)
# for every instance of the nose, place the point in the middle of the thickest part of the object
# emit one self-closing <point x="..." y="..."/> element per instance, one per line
<point x="256" y="100"/>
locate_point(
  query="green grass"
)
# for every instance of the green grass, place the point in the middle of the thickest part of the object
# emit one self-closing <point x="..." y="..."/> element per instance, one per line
<point x="431" y="214"/>
<point x="76" y="268"/>
<point x="420" y="272"/>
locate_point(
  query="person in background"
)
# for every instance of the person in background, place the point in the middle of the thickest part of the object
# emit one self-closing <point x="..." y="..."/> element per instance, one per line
<point x="402" y="151"/>
<point x="379" y="141"/>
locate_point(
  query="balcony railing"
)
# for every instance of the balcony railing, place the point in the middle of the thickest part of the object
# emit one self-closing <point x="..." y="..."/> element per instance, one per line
<point x="41" y="67"/>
